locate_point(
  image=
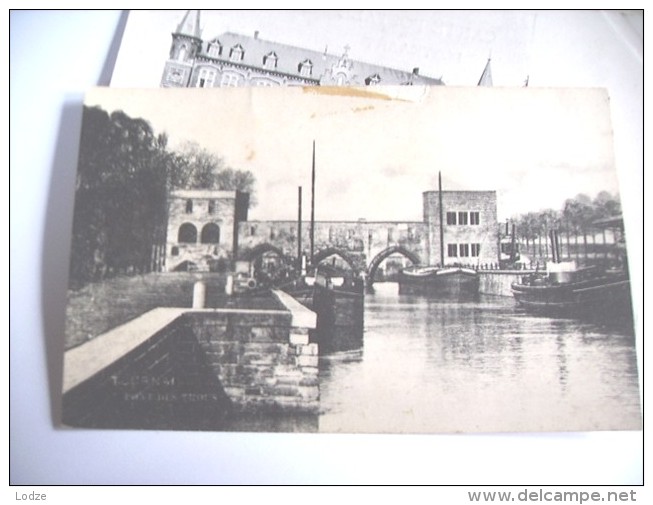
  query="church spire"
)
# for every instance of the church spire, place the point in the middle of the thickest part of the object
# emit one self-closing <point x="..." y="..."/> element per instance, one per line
<point x="486" y="76"/>
<point x="190" y="25"/>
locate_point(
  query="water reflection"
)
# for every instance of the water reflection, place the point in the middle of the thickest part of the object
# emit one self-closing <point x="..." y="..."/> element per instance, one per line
<point x="431" y="366"/>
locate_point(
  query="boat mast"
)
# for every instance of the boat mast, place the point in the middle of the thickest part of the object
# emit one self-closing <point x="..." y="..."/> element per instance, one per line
<point x="299" y="228"/>
<point x="441" y="220"/>
<point x="313" y="207"/>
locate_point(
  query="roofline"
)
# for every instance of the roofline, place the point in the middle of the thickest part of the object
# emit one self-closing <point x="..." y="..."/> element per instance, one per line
<point x="252" y="67"/>
<point x="321" y="54"/>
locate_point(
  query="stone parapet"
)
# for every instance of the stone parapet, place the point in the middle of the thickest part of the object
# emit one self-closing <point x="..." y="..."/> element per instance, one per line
<point x="185" y="368"/>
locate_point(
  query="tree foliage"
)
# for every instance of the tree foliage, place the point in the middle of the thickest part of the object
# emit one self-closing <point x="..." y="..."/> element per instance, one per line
<point x="124" y="175"/>
<point x="578" y="214"/>
<point x="198" y="168"/>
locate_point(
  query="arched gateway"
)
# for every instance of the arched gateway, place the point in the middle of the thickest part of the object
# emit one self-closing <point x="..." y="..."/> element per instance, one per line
<point x="378" y="259"/>
<point x="332" y="251"/>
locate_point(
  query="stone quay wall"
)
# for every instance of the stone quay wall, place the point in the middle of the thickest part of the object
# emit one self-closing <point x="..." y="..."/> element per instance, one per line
<point x="263" y="359"/>
<point x="497" y="282"/>
<point x="194" y="370"/>
<point x="154" y="385"/>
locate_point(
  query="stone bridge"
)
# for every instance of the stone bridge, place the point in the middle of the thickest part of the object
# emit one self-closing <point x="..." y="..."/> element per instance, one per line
<point x="362" y="245"/>
<point x="208" y="229"/>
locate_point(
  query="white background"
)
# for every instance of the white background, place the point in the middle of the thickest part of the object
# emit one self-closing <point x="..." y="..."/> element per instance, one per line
<point x="54" y="58"/>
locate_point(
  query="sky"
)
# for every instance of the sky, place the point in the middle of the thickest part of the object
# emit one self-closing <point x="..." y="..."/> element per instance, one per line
<point x="377" y="152"/>
<point x="553" y="48"/>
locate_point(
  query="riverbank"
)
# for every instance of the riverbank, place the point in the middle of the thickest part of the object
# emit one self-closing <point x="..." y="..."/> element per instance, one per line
<point x="101" y="306"/>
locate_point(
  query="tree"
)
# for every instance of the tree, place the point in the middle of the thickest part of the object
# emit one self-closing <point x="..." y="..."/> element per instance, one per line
<point x="120" y="200"/>
<point x="606" y="205"/>
<point x="125" y="173"/>
<point x="577" y="216"/>
<point x="527" y="226"/>
<point x="197" y="168"/>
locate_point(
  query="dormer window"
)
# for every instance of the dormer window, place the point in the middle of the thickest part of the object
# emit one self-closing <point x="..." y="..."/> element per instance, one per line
<point x="305" y="68"/>
<point x="237" y="53"/>
<point x="270" y="60"/>
<point x="215" y="48"/>
<point x="373" y="79"/>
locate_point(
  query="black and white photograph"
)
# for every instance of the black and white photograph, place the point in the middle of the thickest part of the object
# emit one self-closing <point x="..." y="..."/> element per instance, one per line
<point x="338" y="259"/>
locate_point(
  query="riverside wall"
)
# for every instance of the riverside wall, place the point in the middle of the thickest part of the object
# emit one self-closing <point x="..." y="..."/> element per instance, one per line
<point x="497" y="282"/>
<point x="194" y="369"/>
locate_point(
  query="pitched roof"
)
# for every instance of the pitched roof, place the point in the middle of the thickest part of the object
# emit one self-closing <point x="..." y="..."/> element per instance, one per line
<point x="323" y="64"/>
<point x="486" y="76"/>
<point x="190" y="24"/>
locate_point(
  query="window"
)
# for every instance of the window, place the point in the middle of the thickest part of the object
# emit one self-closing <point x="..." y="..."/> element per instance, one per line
<point x="270" y="61"/>
<point x="187" y="234"/>
<point x="252" y="231"/>
<point x="174" y="251"/>
<point x="452" y="250"/>
<point x="474" y="218"/>
<point x="229" y="80"/>
<point x="464" y="250"/>
<point x="215" y="48"/>
<point x="181" y="55"/>
<point x="237" y="53"/>
<point x="206" y="78"/>
<point x="476" y="250"/>
<point x="462" y="217"/>
<point x="210" y="234"/>
<point x="273" y="233"/>
<point x="189" y="206"/>
<point x="451" y="218"/>
<point x="305" y="68"/>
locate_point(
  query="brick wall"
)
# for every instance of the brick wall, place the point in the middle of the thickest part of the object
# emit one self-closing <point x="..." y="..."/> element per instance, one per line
<point x="263" y="363"/>
<point x="201" y="368"/>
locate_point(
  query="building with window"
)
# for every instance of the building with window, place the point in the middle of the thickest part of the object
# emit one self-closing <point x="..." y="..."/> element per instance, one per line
<point x="469" y="227"/>
<point x="207" y="229"/>
<point x="232" y="59"/>
<point x="201" y="228"/>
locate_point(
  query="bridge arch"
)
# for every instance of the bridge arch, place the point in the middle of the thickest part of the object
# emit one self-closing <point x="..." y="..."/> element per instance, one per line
<point x="259" y="250"/>
<point x="325" y="253"/>
<point x="378" y="259"/>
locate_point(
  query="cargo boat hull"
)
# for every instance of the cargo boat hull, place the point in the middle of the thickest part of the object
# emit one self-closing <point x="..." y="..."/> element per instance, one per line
<point x="452" y="282"/>
<point x="599" y="294"/>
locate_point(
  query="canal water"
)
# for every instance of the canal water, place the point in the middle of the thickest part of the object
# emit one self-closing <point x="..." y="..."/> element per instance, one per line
<point x="432" y="366"/>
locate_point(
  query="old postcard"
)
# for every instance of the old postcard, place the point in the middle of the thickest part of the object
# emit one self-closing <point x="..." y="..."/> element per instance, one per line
<point x="376" y="259"/>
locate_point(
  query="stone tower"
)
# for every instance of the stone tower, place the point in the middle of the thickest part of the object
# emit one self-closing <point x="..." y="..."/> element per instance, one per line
<point x="186" y="44"/>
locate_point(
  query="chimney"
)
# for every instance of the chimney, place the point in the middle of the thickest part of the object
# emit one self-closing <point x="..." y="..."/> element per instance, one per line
<point x="256" y="35"/>
<point x="416" y="71"/>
